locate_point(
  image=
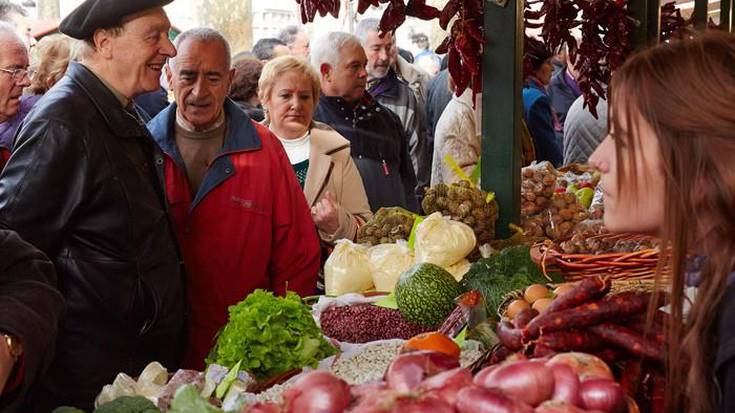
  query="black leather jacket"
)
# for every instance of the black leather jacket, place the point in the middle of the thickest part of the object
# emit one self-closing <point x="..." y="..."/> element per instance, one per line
<point x="84" y="186"/>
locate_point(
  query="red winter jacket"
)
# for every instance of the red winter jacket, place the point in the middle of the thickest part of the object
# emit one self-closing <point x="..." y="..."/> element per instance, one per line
<point x="248" y="226"/>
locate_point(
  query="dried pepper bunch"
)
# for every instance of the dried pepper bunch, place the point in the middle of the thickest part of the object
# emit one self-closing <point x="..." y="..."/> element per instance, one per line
<point x="557" y="19"/>
<point x="309" y="9"/>
<point x="673" y="24"/>
<point x="606" y="26"/>
<point x="464" y="44"/>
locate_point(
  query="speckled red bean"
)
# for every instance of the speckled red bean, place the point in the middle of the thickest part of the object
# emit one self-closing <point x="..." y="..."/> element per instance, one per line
<point x="362" y="323"/>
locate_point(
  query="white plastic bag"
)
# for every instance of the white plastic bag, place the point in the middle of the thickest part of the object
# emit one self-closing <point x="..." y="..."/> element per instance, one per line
<point x="443" y="242"/>
<point x="347" y="269"/>
<point x="388" y="262"/>
<point x="459" y="269"/>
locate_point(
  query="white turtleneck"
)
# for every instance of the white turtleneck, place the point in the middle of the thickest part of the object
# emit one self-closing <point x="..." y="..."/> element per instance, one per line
<point x="298" y="150"/>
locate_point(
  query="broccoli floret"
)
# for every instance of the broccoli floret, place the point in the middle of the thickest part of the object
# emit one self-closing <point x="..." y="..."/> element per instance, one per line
<point x="128" y="404"/>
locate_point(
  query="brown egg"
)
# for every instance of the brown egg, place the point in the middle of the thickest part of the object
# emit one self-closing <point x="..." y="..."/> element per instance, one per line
<point x="541" y="304"/>
<point x="515" y="307"/>
<point x="564" y="288"/>
<point x="536" y="292"/>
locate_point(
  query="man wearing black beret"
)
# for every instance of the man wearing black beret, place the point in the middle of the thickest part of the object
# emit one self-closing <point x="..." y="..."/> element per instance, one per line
<point x="84" y="186"/>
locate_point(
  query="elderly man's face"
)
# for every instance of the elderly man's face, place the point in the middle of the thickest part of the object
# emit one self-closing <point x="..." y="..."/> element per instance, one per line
<point x="381" y="54"/>
<point x="140" y="52"/>
<point x="349" y="78"/>
<point x="13" y="56"/>
<point x="200" y="77"/>
<point x="300" y="46"/>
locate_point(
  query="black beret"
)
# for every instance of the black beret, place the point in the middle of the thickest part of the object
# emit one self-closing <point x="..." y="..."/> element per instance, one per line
<point x="100" y="14"/>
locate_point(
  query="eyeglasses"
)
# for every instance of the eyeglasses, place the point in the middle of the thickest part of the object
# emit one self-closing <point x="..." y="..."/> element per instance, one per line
<point x="17" y="74"/>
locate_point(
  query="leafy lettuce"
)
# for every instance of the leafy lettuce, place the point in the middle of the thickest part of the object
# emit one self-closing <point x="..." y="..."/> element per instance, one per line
<point x="270" y="335"/>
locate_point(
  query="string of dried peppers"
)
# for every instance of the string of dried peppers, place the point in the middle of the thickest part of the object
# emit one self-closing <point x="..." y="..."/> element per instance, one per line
<point x="606" y="28"/>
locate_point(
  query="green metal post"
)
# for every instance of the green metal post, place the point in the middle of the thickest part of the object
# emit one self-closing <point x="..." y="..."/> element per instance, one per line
<point x="648" y="13"/>
<point x="700" y="14"/>
<point x="502" y="108"/>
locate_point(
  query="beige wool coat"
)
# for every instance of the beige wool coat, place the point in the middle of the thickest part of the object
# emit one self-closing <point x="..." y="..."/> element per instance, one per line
<point x="332" y="169"/>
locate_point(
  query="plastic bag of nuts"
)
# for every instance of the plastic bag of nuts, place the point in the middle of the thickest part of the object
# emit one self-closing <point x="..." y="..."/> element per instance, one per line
<point x="564" y="214"/>
<point x="558" y="220"/>
<point x="537" y="187"/>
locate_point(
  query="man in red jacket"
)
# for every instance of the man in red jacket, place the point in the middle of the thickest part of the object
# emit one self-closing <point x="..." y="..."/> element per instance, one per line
<point x="240" y="216"/>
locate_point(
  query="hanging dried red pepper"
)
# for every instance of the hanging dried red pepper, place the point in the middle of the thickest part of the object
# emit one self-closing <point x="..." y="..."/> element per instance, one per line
<point x="309" y="9"/>
<point x="464" y="44"/>
<point x="673" y="24"/>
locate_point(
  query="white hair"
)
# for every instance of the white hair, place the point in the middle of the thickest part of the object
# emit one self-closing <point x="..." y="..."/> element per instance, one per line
<point x="365" y="27"/>
<point x="326" y="49"/>
<point x="203" y="34"/>
<point x="8" y="32"/>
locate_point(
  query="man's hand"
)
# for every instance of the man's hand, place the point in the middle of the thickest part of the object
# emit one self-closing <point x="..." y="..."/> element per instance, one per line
<point x="6" y="363"/>
<point x="326" y="214"/>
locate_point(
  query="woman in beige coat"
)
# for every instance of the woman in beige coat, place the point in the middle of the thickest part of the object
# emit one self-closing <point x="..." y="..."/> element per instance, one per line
<point x="289" y="91"/>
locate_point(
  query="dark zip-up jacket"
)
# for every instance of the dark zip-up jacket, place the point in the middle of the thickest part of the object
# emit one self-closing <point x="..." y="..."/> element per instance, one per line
<point x="84" y="186"/>
<point x="379" y="148"/>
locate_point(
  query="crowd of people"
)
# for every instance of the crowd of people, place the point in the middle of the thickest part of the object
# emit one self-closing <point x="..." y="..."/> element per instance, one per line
<point x="147" y="185"/>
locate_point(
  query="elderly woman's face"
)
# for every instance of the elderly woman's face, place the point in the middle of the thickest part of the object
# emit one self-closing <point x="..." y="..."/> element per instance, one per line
<point x="291" y="105"/>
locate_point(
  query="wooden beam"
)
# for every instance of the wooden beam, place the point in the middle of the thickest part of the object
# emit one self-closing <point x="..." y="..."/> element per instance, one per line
<point x="502" y="108"/>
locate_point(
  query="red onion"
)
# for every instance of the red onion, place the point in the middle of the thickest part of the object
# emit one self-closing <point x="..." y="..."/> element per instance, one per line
<point x="263" y="408"/>
<point x="566" y="385"/>
<point x="481" y="377"/>
<point x="447" y="384"/>
<point x="585" y="365"/>
<point x="423" y="405"/>
<point x="558" y="407"/>
<point x="474" y="399"/>
<point x="528" y="381"/>
<point x="317" y="392"/>
<point x="359" y="391"/>
<point x="604" y="395"/>
<point x="408" y="370"/>
<point x="393" y="402"/>
<point x="377" y="402"/>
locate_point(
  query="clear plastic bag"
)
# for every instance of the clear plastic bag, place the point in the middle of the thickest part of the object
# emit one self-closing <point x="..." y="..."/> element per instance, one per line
<point x="442" y="241"/>
<point x="459" y="269"/>
<point x="388" y="262"/>
<point x="347" y="269"/>
<point x="538" y="184"/>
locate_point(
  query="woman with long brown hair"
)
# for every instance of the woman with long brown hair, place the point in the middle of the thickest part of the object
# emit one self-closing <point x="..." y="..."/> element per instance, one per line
<point x="668" y="168"/>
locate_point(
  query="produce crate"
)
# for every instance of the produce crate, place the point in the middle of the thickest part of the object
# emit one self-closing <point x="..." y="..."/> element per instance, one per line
<point x="636" y="265"/>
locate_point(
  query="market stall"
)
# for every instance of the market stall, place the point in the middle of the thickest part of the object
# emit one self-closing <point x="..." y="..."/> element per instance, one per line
<point x="458" y="310"/>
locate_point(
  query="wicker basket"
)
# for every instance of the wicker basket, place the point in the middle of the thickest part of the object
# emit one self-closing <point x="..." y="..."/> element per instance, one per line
<point x="637" y="265"/>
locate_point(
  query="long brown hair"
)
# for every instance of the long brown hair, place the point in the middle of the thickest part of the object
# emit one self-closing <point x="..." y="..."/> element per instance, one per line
<point x="686" y="92"/>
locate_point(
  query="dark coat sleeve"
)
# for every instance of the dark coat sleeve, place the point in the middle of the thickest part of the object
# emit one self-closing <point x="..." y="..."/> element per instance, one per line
<point x="30" y="307"/>
<point x="43" y="183"/>
<point x="542" y="130"/>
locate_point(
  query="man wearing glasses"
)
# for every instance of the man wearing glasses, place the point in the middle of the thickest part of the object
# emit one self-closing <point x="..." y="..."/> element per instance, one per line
<point x="13" y="78"/>
<point x="83" y="186"/>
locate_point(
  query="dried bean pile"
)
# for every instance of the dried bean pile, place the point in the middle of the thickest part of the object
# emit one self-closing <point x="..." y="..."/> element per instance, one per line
<point x="362" y="323"/>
